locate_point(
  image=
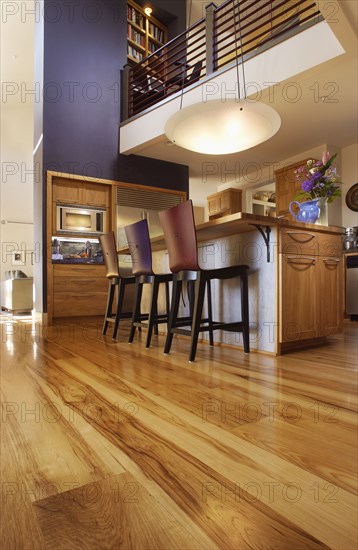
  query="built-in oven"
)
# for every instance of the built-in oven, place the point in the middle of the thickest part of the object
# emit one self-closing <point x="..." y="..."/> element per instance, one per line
<point x="80" y="219"/>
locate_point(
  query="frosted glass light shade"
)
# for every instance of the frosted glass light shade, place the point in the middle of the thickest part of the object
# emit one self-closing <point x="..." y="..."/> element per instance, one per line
<point x="222" y="127"/>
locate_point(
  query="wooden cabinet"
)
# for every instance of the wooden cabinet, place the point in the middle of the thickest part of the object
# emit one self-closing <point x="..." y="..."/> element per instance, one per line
<point x="79" y="290"/>
<point x="330" y="295"/>
<point x="94" y="194"/>
<point x="224" y="203"/>
<point x="286" y="188"/>
<point x="145" y="34"/>
<point x="78" y="192"/>
<point x="67" y="192"/>
<point x="311" y="285"/>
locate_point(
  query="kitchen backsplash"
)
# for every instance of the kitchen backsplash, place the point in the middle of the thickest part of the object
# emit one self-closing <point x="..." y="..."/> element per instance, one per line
<point x="70" y="250"/>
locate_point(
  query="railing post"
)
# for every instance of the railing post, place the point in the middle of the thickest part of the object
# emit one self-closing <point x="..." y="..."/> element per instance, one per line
<point x="125" y="92"/>
<point x="210" y="9"/>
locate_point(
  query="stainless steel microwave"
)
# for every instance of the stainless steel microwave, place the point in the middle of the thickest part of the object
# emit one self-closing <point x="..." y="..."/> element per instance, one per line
<point x="80" y="219"/>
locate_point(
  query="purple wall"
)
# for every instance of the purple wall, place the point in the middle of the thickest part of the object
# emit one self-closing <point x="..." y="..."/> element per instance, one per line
<point x="85" y="50"/>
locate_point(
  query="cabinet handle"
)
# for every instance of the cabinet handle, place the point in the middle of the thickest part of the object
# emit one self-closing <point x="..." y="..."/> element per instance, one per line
<point x="295" y="258"/>
<point x="87" y="269"/>
<point x="87" y="295"/>
<point x="331" y="260"/>
<point x="300" y="233"/>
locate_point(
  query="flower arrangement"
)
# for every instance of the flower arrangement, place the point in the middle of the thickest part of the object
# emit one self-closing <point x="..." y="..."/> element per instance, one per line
<point x="319" y="179"/>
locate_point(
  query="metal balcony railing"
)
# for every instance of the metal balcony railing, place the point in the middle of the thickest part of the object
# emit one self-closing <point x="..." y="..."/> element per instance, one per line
<point x="234" y="31"/>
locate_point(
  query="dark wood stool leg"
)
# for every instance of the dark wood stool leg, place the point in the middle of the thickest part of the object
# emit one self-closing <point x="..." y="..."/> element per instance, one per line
<point x="110" y="297"/>
<point x="121" y="287"/>
<point x="191" y="296"/>
<point x="167" y="303"/>
<point x="136" y="308"/>
<point x="177" y="286"/>
<point x="245" y="311"/>
<point x="197" y="314"/>
<point x="153" y="312"/>
<point x="210" y="313"/>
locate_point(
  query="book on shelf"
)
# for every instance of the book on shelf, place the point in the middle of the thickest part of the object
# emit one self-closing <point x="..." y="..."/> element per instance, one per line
<point x="135" y="54"/>
<point x="136" y="17"/>
<point x="135" y="36"/>
<point x="152" y="47"/>
<point x="156" y="32"/>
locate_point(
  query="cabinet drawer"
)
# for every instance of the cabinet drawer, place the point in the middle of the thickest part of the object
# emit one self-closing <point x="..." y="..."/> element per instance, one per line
<point x="297" y="241"/>
<point x="71" y="304"/>
<point x="330" y="245"/>
<point x="78" y="271"/>
<point x="80" y="285"/>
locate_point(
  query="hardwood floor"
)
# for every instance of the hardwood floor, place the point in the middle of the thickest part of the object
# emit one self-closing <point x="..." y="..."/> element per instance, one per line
<point x="108" y="445"/>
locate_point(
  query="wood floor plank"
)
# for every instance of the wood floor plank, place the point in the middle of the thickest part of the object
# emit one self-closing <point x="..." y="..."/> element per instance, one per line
<point x="114" y="513"/>
<point x="210" y="471"/>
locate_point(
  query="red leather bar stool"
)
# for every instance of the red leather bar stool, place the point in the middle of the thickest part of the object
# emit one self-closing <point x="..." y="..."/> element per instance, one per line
<point x="116" y="282"/>
<point x="180" y="237"/>
<point x="140" y="250"/>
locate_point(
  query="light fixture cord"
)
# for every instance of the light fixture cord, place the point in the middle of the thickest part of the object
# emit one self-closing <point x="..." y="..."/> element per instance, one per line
<point x="184" y="65"/>
<point x="242" y="52"/>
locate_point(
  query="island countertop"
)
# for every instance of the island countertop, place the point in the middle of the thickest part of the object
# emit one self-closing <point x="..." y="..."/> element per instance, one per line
<point x="241" y="222"/>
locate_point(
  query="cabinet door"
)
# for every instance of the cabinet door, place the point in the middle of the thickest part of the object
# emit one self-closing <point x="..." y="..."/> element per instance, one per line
<point x="95" y="194"/>
<point x="214" y="206"/>
<point x="67" y="192"/>
<point x="286" y="190"/>
<point x="330" y="295"/>
<point x="298" y="308"/>
<point x="225" y="202"/>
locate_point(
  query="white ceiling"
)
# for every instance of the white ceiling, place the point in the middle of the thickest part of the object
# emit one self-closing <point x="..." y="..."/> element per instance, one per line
<point x="307" y="123"/>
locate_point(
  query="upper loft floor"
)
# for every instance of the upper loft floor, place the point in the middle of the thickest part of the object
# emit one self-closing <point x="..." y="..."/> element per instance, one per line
<point x="243" y="48"/>
<point x="229" y="34"/>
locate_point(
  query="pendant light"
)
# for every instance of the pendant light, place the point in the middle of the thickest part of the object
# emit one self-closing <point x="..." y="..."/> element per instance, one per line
<point x="224" y="126"/>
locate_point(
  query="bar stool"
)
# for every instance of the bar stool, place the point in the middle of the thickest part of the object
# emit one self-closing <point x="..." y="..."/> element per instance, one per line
<point x="116" y="281"/>
<point x="180" y="237"/>
<point x="140" y="250"/>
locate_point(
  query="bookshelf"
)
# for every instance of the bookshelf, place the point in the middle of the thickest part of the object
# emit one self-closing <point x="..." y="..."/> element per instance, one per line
<point x="145" y="34"/>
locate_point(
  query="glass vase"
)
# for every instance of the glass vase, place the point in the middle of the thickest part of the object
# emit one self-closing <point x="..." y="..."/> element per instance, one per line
<point x="323" y="214"/>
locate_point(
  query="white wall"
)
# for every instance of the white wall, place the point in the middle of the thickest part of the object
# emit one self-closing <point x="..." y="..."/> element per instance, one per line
<point x="16" y="146"/>
<point x="16" y="210"/>
<point x="349" y="177"/>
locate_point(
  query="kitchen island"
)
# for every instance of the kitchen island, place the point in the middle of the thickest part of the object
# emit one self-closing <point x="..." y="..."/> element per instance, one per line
<point x="295" y="278"/>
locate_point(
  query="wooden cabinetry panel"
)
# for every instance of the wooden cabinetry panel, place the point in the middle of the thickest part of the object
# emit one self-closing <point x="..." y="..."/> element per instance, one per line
<point x="224" y="203"/>
<point x="95" y="194"/>
<point x="79" y="290"/>
<point x="297" y="241"/>
<point x="286" y="188"/>
<point x="330" y="245"/>
<point x="299" y="296"/>
<point x="330" y="295"/>
<point x="66" y="304"/>
<point x="311" y="285"/>
<point x="78" y="192"/>
<point x="67" y="192"/>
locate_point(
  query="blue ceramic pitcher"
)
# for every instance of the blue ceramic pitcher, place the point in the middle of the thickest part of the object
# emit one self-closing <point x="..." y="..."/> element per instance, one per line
<point x="308" y="211"/>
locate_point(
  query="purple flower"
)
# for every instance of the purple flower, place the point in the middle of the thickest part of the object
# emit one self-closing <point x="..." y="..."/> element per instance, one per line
<point x="307" y="186"/>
